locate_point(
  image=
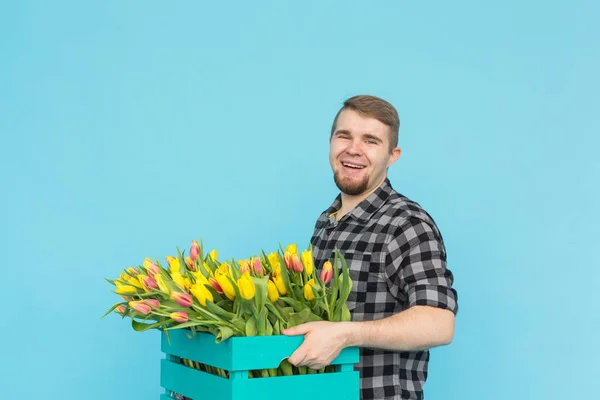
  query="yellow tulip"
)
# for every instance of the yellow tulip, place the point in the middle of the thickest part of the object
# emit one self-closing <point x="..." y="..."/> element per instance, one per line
<point x="223" y="281"/>
<point x="274" y="262"/>
<point x="178" y="279"/>
<point x="223" y="269"/>
<point x="200" y="278"/>
<point x="246" y="286"/>
<point x="207" y="268"/>
<point x="160" y="281"/>
<point x="125" y="289"/>
<point x="174" y="264"/>
<point x="202" y="294"/>
<point x="307" y="260"/>
<point x="273" y="294"/>
<point x="308" y="290"/>
<point x="278" y="280"/>
<point x="214" y="254"/>
<point x="292" y="248"/>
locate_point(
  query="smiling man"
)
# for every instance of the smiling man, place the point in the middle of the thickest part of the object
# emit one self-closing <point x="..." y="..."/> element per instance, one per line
<point x="402" y="301"/>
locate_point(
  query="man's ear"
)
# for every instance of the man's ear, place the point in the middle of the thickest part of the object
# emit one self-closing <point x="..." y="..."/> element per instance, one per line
<point x="395" y="155"/>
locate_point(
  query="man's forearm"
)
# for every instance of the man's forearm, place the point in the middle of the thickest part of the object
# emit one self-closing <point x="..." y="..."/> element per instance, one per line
<point x="417" y="328"/>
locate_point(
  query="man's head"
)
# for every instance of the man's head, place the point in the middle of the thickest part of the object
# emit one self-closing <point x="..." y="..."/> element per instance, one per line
<point x="363" y="144"/>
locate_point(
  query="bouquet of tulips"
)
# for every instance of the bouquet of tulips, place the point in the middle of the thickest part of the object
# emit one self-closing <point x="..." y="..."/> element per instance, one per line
<point x="260" y="295"/>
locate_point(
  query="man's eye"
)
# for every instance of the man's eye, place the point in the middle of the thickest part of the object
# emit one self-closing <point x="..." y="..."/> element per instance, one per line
<point x="371" y="142"/>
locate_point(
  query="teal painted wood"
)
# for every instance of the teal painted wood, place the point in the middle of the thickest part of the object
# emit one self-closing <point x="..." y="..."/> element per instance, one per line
<point x="191" y="382"/>
<point x="241" y="353"/>
<point x="338" y="385"/>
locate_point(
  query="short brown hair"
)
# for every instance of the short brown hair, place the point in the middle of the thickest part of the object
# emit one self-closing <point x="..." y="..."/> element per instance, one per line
<point x="373" y="107"/>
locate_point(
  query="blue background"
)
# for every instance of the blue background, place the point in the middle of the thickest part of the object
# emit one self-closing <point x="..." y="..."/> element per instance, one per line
<point x="130" y="128"/>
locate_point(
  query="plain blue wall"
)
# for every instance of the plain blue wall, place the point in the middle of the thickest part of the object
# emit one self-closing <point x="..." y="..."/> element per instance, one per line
<point x="129" y="128"/>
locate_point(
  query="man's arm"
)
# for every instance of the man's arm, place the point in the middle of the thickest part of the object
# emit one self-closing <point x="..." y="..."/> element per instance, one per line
<point x="418" y="328"/>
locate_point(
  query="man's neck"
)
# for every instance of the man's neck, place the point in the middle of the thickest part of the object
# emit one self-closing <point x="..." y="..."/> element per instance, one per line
<point x="349" y="201"/>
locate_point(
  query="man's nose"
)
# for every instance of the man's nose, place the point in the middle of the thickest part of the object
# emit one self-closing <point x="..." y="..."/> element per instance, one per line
<point x="355" y="147"/>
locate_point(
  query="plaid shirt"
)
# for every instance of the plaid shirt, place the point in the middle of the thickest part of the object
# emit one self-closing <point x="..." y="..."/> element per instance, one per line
<point x="397" y="259"/>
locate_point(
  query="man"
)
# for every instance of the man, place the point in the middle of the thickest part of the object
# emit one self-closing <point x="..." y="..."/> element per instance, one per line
<point x="402" y="301"/>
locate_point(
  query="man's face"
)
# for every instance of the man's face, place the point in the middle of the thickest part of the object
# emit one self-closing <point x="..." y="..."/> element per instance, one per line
<point x="359" y="153"/>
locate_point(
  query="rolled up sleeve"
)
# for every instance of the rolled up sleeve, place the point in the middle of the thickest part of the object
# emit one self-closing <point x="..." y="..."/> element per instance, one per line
<point x="416" y="269"/>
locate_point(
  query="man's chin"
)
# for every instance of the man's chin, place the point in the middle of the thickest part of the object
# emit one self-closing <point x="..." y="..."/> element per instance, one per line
<point x="351" y="188"/>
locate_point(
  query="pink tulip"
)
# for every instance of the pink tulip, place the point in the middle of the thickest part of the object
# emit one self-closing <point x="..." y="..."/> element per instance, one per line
<point x="120" y="309"/>
<point x="194" y="250"/>
<point x="326" y="272"/>
<point x="151" y="267"/>
<point x="140" y="307"/>
<point x="215" y="285"/>
<point x="179" y="316"/>
<point x="153" y="303"/>
<point x="257" y="267"/>
<point x="245" y="267"/>
<point x="183" y="299"/>
<point x="297" y="264"/>
<point x="150" y="282"/>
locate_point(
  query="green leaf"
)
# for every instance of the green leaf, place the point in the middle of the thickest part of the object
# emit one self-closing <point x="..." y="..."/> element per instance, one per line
<point x="215" y="309"/>
<point x="224" y="333"/>
<point x="113" y="308"/>
<point x="251" y="327"/>
<point x="110" y="281"/>
<point x="141" y="327"/>
<point x="261" y="322"/>
<point x="260" y="297"/>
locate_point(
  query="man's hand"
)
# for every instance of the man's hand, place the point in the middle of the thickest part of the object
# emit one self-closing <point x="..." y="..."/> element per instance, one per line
<point x="323" y="342"/>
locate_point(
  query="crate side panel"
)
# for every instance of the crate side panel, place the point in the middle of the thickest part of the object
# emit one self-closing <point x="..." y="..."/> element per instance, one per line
<point x="258" y="352"/>
<point x="339" y="385"/>
<point x="200" y="347"/>
<point x="193" y="383"/>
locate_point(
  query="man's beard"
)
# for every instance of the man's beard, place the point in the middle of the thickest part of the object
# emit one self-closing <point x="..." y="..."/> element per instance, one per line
<point x="351" y="187"/>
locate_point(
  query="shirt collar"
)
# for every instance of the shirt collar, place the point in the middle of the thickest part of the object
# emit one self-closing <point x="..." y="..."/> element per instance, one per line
<point x="366" y="208"/>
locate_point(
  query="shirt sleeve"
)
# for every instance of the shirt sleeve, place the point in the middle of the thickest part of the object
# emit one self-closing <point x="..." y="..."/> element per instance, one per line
<point x="416" y="268"/>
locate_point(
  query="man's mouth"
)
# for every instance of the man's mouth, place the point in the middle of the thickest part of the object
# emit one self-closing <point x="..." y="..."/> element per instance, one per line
<point x="352" y="165"/>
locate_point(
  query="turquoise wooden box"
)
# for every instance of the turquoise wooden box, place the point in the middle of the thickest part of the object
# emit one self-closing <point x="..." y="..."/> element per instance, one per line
<point x="240" y="354"/>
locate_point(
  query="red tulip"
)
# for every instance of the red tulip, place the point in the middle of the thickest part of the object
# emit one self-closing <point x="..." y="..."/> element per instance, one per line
<point x="140" y="307"/>
<point x="183" y="299"/>
<point x="215" y="285"/>
<point x="179" y="316"/>
<point x="152" y="303"/>
<point x="194" y="250"/>
<point x="326" y="272"/>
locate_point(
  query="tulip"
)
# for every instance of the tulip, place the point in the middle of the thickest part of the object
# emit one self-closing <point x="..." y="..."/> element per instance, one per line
<point x="132" y="271"/>
<point x="292" y="248"/>
<point x="287" y="259"/>
<point x="297" y="264"/>
<point x="194" y="250"/>
<point x="179" y="316"/>
<point x="307" y="260"/>
<point x="207" y="268"/>
<point x="326" y="272"/>
<point x="202" y="294"/>
<point x="153" y="303"/>
<point x="149" y="282"/>
<point x="226" y="285"/>
<point x="309" y="294"/>
<point x="125" y="289"/>
<point x="257" y="267"/>
<point x="151" y="267"/>
<point x="278" y="280"/>
<point x="160" y="281"/>
<point x="246" y="286"/>
<point x="120" y="309"/>
<point x="214" y="254"/>
<point x="274" y="261"/>
<point x="244" y="266"/>
<point x="178" y="279"/>
<point x="189" y="263"/>
<point x="273" y="293"/>
<point x="173" y="263"/>
<point x="183" y="299"/>
<point x="140" y="307"/>
<point x="213" y="282"/>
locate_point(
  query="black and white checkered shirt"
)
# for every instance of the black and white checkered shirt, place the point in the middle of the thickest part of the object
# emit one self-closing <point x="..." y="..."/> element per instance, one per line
<point x="397" y="259"/>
